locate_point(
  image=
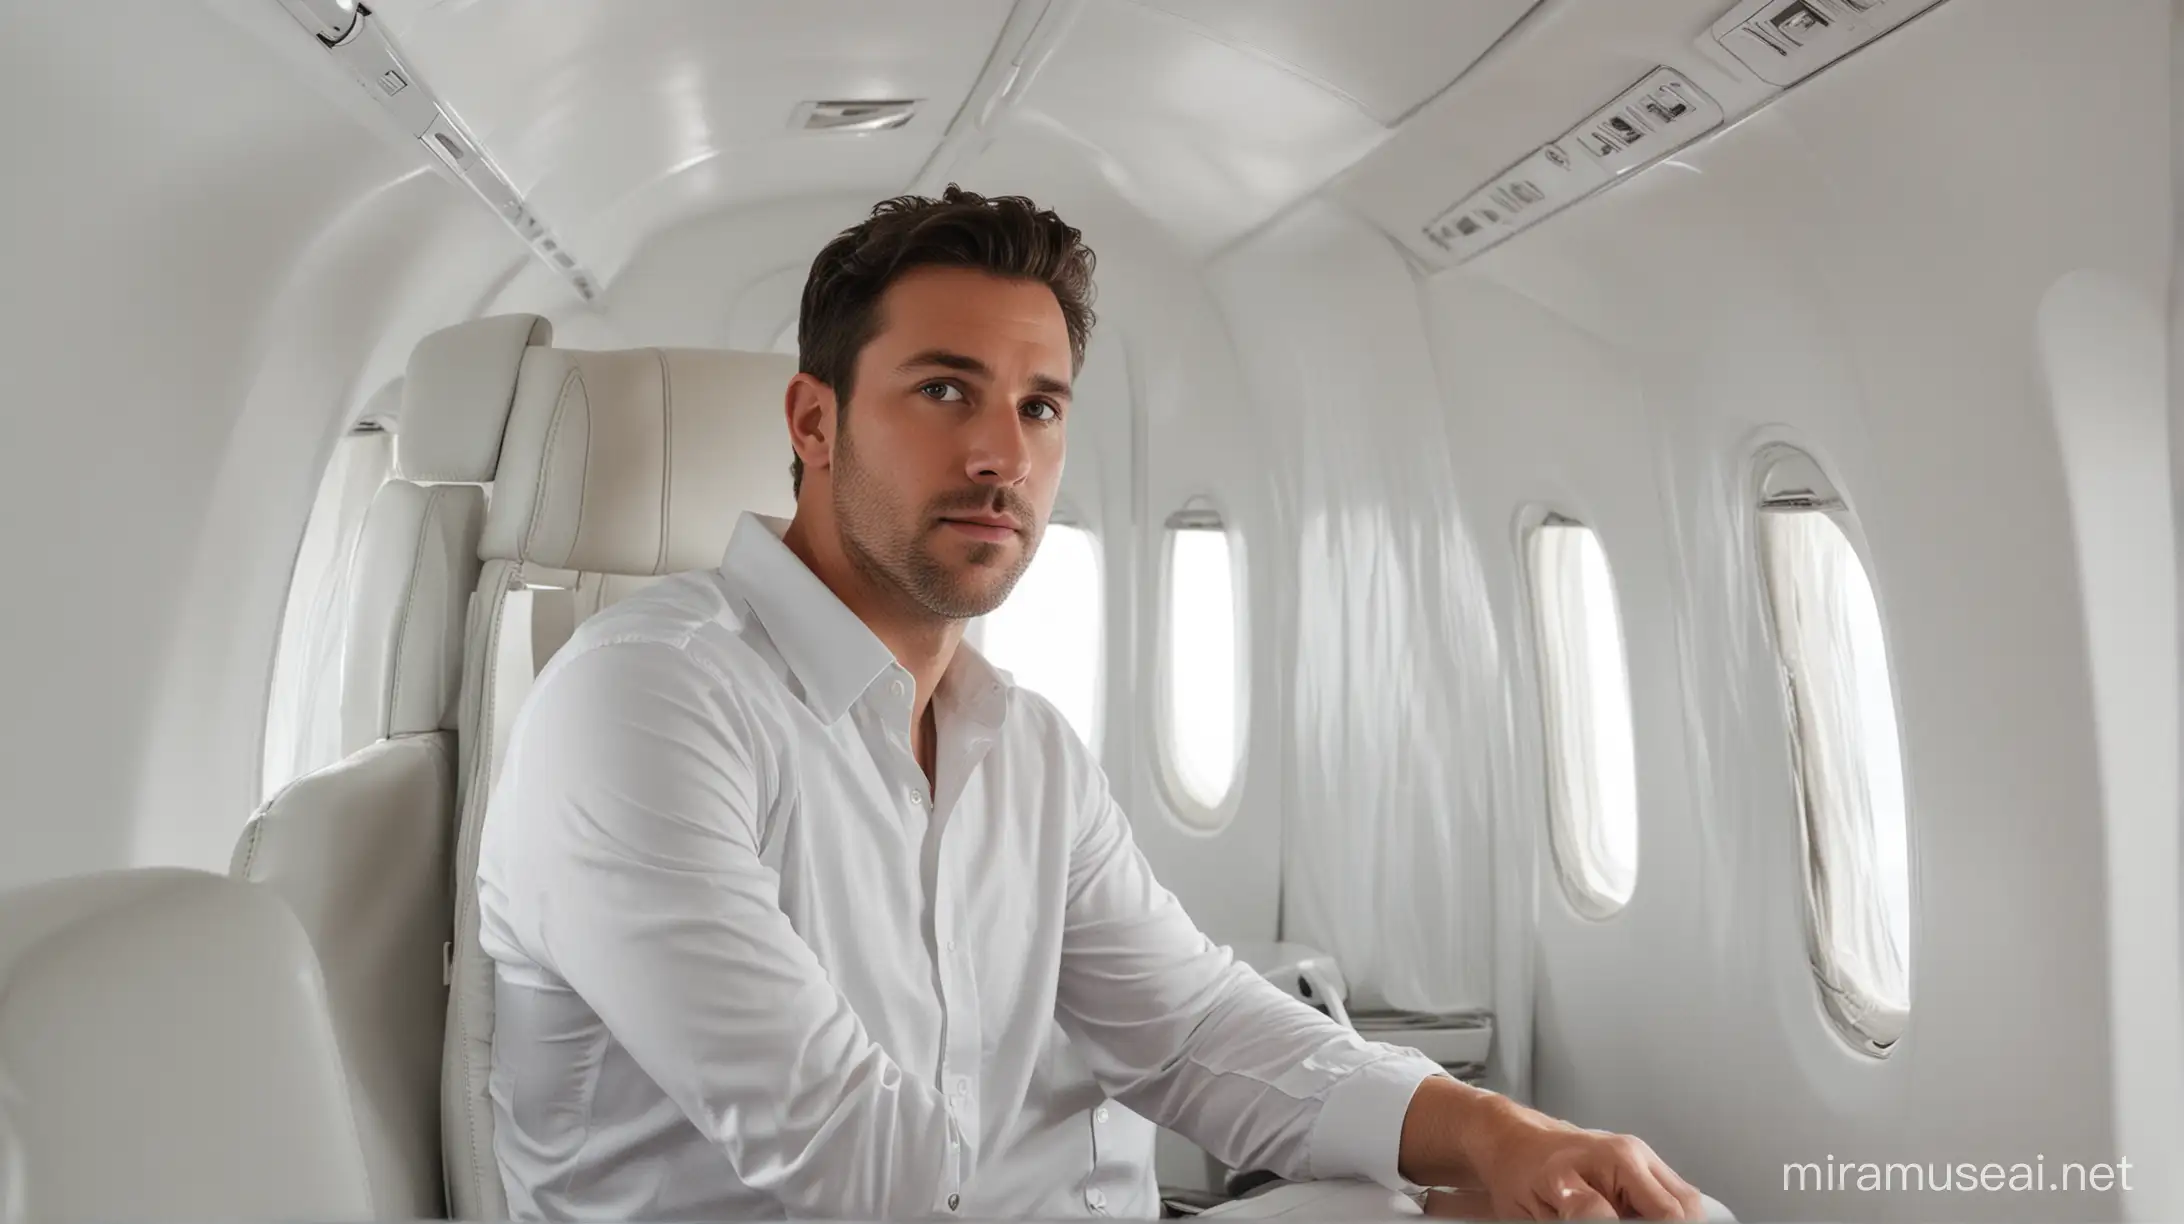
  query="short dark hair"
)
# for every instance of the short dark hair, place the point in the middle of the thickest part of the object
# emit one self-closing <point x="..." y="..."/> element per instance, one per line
<point x="1007" y="236"/>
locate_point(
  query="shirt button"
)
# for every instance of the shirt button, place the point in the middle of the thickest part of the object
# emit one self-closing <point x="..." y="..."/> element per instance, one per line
<point x="895" y="688"/>
<point x="954" y="1201"/>
<point x="1100" y="1114"/>
<point x="1097" y="1201"/>
<point x="951" y="945"/>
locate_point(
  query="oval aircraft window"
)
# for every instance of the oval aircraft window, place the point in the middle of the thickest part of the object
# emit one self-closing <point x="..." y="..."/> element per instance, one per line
<point x="1201" y="697"/>
<point x="1048" y="635"/>
<point x="1592" y="774"/>
<point x="1849" y="761"/>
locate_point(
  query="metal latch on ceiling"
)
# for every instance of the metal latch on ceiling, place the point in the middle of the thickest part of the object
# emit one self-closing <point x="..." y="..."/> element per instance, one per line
<point x="369" y="53"/>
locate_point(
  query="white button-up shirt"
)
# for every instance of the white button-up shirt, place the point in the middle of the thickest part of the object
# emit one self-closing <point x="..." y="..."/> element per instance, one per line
<point x="749" y="964"/>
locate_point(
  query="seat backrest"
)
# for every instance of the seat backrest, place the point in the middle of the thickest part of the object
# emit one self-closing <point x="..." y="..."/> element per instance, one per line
<point x="166" y="1053"/>
<point x="609" y="470"/>
<point x="361" y="852"/>
<point x="410" y="581"/>
<point x="363" y="849"/>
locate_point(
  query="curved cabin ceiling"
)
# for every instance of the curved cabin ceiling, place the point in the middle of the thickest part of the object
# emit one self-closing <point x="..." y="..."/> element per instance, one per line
<point x="594" y="108"/>
<point x="616" y="120"/>
<point x="1387" y="65"/>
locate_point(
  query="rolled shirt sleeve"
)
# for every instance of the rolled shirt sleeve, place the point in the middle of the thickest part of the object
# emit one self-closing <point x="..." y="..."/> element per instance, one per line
<point x="1183" y="1033"/>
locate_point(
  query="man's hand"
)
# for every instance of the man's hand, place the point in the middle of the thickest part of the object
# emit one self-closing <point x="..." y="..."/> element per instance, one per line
<point x="1533" y="1167"/>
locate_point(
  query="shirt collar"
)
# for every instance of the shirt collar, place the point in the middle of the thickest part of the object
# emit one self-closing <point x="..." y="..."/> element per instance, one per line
<point x="974" y="688"/>
<point x="832" y="654"/>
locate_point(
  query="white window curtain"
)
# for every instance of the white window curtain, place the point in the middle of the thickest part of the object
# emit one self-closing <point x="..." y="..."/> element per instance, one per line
<point x="1850" y="770"/>
<point x="1049" y="635"/>
<point x="303" y="715"/>
<point x="1200" y="667"/>
<point x="1592" y="775"/>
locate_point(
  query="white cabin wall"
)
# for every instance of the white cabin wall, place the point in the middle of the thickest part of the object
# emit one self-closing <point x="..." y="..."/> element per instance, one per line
<point x="2103" y="354"/>
<point x="201" y="249"/>
<point x="1860" y="268"/>
<point x="1869" y="268"/>
<point x="1398" y="746"/>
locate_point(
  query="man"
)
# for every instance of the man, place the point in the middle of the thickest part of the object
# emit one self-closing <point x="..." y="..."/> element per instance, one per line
<point x="799" y="908"/>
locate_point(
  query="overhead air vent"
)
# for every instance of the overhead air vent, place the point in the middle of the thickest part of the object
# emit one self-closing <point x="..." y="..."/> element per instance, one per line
<point x="1651" y="119"/>
<point x="848" y="116"/>
<point x="1784" y="41"/>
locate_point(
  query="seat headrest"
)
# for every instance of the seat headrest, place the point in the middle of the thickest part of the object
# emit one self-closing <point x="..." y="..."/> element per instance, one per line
<point x="456" y="394"/>
<point x="638" y="461"/>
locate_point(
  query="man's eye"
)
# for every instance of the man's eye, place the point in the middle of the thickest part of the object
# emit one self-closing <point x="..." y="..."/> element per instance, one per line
<point x="1041" y="410"/>
<point x="946" y="393"/>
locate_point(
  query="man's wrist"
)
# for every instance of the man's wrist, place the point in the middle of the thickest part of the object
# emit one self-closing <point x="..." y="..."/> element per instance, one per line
<point x="1453" y="1132"/>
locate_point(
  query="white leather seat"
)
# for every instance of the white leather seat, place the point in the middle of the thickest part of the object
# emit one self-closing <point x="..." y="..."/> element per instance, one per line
<point x="166" y="1053"/>
<point x="609" y="470"/>
<point x="363" y="850"/>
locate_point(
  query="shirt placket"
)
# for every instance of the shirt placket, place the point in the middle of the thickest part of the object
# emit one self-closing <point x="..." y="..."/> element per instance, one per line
<point x="963" y="1040"/>
<point x="959" y="1069"/>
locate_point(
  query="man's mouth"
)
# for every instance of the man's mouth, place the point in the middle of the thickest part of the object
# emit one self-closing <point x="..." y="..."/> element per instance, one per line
<point x="988" y="528"/>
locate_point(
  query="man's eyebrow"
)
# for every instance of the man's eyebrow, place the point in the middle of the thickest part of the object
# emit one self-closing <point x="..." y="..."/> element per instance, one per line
<point x="1041" y="383"/>
<point x="947" y="361"/>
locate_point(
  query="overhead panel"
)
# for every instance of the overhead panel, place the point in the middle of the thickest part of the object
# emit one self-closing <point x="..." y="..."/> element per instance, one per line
<point x="1752" y="53"/>
<point x="1784" y="41"/>
<point x="1650" y="120"/>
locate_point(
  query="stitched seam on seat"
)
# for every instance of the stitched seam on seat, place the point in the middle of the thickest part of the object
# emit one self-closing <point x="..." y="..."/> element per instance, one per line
<point x="545" y="469"/>
<point x="409" y="606"/>
<point x="667" y="459"/>
<point x="254" y="835"/>
<point x="466" y="868"/>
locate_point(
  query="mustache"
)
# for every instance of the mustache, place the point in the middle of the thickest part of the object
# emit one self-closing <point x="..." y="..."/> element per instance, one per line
<point x="1005" y="503"/>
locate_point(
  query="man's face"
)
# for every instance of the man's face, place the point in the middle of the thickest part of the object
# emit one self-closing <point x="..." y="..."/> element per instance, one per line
<point x="952" y="446"/>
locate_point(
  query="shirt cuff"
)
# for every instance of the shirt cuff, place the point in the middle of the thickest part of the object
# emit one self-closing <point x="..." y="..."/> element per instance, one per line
<point x="1359" y="1131"/>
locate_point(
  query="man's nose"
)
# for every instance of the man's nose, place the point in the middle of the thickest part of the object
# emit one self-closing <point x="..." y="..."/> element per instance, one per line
<point x="999" y="454"/>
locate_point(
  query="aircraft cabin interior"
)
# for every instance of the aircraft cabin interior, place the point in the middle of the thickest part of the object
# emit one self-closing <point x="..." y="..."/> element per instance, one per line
<point x="1625" y="550"/>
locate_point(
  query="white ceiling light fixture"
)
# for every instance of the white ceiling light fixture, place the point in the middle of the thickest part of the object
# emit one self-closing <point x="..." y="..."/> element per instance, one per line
<point x="369" y="53"/>
<point x="853" y="116"/>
